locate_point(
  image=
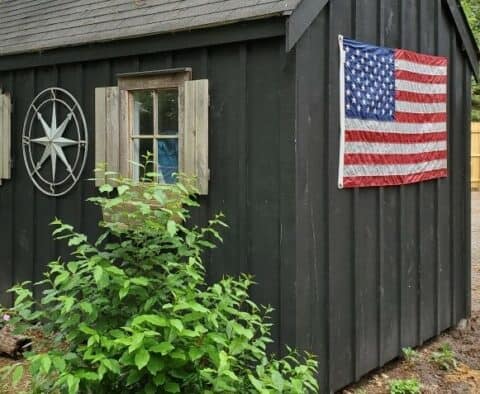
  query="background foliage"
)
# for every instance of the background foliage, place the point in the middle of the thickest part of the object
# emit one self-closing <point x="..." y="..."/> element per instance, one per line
<point x="472" y="10"/>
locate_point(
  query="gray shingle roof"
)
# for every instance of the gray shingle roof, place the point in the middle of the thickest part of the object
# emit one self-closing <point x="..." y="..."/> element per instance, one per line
<point x="31" y="25"/>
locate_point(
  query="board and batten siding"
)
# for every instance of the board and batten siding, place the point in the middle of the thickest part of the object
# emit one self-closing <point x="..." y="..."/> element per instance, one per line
<point x="251" y="159"/>
<point x="378" y="269"/>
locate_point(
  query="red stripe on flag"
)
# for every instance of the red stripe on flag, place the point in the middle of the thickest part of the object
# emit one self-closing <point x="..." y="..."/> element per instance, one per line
<point x="420" y="58"/>
<point x="367" y="181"/>
<point x="394" y="138"/>
<point x="422" y="78"/>
<point x="411" y="117"/>
<point x="374" y="159"/>
<point x="420" y="98"/>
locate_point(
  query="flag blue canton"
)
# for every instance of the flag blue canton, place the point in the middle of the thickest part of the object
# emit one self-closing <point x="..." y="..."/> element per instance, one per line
<point x="369" y="81"/>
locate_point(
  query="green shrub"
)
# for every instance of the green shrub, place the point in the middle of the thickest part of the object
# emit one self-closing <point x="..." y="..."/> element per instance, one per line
<point x="132" y="313"/>
<point x="444" y="358"/>
<point x="405" y="386"/>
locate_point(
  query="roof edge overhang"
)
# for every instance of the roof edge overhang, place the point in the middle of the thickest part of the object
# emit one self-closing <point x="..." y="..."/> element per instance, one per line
<point x="246" y="30"/>
<point x="92" y="40"/>
<point x="466" y="35"/>
<point x="301" y="19"/>
<point x="308" y="10"/>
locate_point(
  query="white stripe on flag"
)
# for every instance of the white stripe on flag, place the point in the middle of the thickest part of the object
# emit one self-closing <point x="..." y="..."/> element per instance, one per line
<point x="394" y="149"/>
<point x="422" y="88"/>
<point x="420" y="108"/>
<point x="393" y="169"/>
<point x="420" y="68"/>
<point x="394" y="127"/>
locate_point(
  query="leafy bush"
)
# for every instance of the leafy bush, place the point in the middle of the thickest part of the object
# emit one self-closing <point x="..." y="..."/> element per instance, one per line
<point x="405" y="386"/>
<point x="444" y="358"/>
<point x="132" y="313"/>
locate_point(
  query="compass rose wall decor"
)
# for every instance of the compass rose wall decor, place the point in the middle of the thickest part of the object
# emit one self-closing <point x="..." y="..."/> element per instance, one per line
<point x="55" y="141"/>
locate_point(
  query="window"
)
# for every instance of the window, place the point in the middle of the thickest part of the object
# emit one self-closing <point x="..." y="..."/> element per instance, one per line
<point x="155" y="130"/>
<point x="162" y="112"/>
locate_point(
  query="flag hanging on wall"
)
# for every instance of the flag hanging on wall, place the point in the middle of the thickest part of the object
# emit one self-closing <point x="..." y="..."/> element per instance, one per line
<point x="393" y="110"/>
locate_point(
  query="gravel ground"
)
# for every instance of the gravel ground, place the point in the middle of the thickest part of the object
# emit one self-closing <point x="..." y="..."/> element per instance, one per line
<point x="465" y="344"/>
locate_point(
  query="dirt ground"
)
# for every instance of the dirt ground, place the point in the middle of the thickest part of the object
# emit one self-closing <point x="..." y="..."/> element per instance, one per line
<point x="464" y="342"/>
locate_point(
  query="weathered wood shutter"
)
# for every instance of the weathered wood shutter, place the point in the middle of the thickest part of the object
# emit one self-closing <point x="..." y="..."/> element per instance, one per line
<point x="111" y="141"/>
<point x="5" y="136"/>
<point x="195" y="133"/>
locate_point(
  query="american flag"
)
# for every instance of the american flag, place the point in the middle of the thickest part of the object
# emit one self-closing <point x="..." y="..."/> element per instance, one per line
<point x="393" y="116"/>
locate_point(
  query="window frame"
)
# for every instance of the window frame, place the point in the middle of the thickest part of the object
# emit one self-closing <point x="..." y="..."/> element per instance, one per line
<point x="151" y="81"/>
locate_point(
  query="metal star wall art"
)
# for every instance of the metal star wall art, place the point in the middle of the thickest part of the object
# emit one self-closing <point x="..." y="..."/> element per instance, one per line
<point x="45" y="142"/>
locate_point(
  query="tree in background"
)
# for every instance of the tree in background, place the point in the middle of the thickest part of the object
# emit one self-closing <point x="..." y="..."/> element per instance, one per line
<point x="472" y="10"/>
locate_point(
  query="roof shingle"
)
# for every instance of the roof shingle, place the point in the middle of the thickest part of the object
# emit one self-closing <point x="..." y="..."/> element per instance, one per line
<point x="33" y="25"/>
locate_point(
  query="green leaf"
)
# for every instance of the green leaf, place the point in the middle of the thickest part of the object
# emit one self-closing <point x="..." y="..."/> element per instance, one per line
<point x="278" y="381"/>
<point x="159" y="196"/>
<point x="140" y="281"/>
<point x="172" y="387"/>
<point x="177" y="324"/>
<point x="68" y="304"/>
<point x="112" y="365"/>
<point x="155" y="365"/>
<point x="218" y="338"/>
<point x="195" y="353"/>
<point x="178" y="354"/>
<point x="72" y="267"/>
<point x="171" y="228"/>
<point x="256" y="383"/>
<point x="123" y="292"/>
<point x="86" y="307"/>
<point x="87" y="375"/>
<point x="159" y="379"/>
<point x="46" y="363"/>
<point x="17" y="374"/>
<point x="105" y="188"/>
<point x="98" y="274"/>
<point x="61" y="278"/>
<point x="137" y="341"/>
<point x="133" y="377"/>
<point x="163" y="348"/>
<point x="59" y="364"/>
<point x="122" y="189"/>
<point x="72" y="383"/>
<point x="152" y="319"/>
<point x="142" y="358"/>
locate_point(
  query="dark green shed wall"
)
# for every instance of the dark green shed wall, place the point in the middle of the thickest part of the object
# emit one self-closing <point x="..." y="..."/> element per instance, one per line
<point x="378" y="269"/>
<point x="251" y="153"/>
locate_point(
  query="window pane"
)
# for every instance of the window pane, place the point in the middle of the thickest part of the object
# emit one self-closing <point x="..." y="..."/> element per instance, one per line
<point x="167" y="159"/>
<point x="141" y="149"/>
<point x="142" y="113"/>
<point x="168" y="111"/>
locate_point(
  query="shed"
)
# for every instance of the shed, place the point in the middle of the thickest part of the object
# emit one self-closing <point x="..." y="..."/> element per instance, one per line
<point x="354" y="275"/>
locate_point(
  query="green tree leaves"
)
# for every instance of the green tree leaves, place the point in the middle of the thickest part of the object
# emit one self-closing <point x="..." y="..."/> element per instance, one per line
<point x="472" y="11"/>
<point x="132" y="312"/>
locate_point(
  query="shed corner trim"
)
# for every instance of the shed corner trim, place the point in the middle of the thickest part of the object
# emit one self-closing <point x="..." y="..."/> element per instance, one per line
<point x="301" y="19"/>
<point x="466" y="35"/>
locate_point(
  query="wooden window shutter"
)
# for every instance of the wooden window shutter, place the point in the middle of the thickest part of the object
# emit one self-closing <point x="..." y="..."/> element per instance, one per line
<point x="5" y="136"/>
<point x="111" y="139"/>
<point x="195" y="133"/>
